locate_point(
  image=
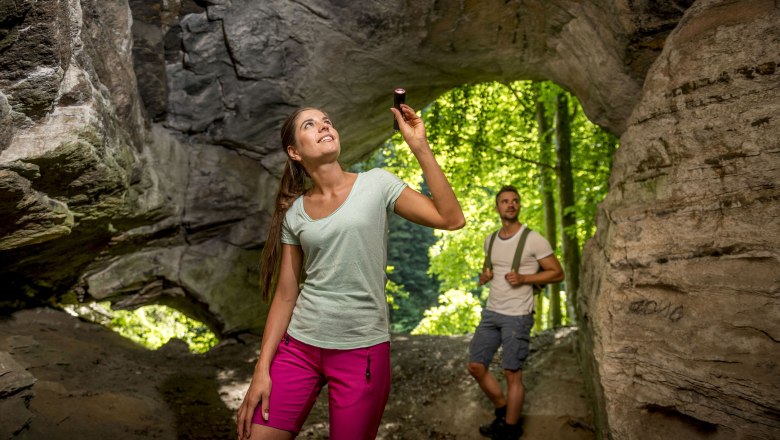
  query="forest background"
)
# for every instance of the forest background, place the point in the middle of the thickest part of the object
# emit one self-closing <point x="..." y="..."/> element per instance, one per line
<point x="532" y="135"/>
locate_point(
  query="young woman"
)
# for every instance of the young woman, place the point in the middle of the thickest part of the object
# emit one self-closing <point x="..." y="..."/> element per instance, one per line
<point x="333" y="329"/>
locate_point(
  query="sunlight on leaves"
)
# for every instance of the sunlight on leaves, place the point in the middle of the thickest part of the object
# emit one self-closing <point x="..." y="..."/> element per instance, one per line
<point x="153" y="326"/>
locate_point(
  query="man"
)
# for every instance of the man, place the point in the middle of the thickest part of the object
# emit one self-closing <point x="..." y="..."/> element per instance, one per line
<point x="508" y="316"/>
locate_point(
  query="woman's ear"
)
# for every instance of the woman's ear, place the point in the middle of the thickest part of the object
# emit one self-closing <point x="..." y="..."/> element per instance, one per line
<point x="293" y="153"/>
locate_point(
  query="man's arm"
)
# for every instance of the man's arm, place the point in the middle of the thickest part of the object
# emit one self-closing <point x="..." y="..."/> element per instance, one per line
<point x="552" y="272"/>
<point x="485" y="276"/>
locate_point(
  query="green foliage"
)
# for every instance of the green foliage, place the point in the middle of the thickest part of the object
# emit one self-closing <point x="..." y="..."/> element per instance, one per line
<point x="542" y="314"/>
<point x="407" y="250"/>
<point x="458" y="313"/>
<point x="485" y="136"/>
<point x="153" y="326"/>
<point x="394" y="292"/>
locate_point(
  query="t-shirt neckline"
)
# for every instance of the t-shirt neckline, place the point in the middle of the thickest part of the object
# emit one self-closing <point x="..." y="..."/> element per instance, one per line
<point x="349" y="196"/>
<point x="511" y="236"/>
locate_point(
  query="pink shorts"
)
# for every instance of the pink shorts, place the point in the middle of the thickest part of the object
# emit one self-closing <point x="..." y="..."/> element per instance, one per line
<point x="358" y="386"/>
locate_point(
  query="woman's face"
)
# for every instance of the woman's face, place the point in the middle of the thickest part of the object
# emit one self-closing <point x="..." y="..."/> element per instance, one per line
<point x="316" y="139"/>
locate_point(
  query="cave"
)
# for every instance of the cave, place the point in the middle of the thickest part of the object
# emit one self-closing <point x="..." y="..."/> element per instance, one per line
<point x="139" y="161"/>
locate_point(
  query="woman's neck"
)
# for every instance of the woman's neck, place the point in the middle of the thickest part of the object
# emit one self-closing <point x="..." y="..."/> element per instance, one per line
<point x="327" y="178"/>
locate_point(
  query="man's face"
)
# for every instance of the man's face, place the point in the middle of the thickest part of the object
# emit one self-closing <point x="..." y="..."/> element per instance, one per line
<point x="508" y="206"/>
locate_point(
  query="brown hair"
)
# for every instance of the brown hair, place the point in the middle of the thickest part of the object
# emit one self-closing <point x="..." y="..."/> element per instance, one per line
<point x="507" y="188"/>
<point x="291" y="186"/>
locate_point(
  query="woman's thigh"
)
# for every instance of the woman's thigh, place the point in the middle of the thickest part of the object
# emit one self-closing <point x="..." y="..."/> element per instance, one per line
<point x="296" y="381"/>
<point x="358" y="387"/>
<point x="260" y="432"/>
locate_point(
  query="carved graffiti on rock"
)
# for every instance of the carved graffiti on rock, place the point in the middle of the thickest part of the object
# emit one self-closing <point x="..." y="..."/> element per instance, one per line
<point x="662" y="309"/>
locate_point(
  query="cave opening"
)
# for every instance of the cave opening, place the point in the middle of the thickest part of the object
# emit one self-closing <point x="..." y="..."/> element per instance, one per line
<point x="152" y="326"/>
<point x="533" y="135"/>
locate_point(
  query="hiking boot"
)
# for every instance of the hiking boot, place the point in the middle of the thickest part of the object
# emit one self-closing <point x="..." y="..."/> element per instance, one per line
<point x="487" y="429"/>
<point x="503" y="431"/>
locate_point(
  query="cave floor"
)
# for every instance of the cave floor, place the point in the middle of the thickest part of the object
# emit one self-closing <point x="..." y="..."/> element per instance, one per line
<point x="91" y="383"/>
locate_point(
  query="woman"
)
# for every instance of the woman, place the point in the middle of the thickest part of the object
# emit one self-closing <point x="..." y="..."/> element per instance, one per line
<point x="334" y="329"/>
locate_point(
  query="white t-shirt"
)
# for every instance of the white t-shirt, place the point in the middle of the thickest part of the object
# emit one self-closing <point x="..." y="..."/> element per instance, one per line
<point x="342" y="302"/>
<point x="504" y="298"/>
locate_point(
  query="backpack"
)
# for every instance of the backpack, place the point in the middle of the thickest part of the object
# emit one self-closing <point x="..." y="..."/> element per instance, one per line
<point x="537" y="288"/>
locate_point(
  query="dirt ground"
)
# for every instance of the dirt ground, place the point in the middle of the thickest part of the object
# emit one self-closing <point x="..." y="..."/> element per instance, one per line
<point x="91" y="383"/>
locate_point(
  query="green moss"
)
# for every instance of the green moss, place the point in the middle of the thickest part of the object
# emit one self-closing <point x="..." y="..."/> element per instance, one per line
<point x="9" y="39"/>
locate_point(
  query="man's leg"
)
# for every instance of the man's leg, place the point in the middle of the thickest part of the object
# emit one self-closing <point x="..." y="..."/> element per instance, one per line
<point x="486" y="340"/>
<point x="515" y="395"/>
<point x="516" y="332"/>
<point x="483" y="346"/>
<point x="488" y="383"/>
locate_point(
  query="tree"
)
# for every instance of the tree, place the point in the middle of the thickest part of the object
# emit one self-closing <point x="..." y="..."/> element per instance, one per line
<point x="547" y="187"/>
<point x="569" y="242"/>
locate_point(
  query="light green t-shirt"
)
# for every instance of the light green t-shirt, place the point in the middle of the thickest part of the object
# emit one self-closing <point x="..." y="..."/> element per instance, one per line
<point x="342" y="301"/>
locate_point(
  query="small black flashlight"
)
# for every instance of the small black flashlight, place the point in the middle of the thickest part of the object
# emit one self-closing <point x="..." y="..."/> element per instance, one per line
<point x="399" y="97"/>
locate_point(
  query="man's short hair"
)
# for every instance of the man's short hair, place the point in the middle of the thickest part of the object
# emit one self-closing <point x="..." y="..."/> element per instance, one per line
<point x="507" y="188"/>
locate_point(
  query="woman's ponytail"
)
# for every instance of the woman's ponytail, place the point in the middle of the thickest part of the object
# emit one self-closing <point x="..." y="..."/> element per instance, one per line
<point x="291" y="186"/>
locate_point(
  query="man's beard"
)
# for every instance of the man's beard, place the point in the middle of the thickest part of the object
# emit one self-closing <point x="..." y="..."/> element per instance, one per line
<point x="512" y="218"/>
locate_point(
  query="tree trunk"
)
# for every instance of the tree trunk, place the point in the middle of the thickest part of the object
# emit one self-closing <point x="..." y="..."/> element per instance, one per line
<point x="546" y="182"/>
<point x="569" y="243"/>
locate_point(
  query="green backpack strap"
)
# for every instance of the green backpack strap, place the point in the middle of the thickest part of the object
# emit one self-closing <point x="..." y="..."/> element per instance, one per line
<point x="488" y="261"/>
<point x="519" y="250"/>
<point x="537" y="288"/>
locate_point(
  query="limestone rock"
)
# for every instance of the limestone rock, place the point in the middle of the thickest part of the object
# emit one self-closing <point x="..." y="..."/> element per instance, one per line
<point x="35" y="217"/>
<point x="680" y="290"/>
<point x="15" y="396"/>
<point x="139" y="149"/>
<point x="139" y="213"/>
<point x="13" y="377"/>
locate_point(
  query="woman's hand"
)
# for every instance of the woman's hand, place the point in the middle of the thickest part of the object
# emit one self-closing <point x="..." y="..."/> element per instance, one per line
<point x="258" y="393"/>
<point x="443" y="210"/>
<point x="411" y="127"/>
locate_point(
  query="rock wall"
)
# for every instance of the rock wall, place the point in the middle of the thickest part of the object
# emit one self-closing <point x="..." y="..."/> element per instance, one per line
<point x="681" y="286"/>
<point x="138" y="148"/>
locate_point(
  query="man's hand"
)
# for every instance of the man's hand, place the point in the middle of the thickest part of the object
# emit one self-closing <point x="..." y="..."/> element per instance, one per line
<point x="485" y="276"/>
<point x="515" y="279"/>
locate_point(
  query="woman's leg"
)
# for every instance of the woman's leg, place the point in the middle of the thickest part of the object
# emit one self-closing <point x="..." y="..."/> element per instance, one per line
<point x="296" y="381"/>
<point x="260" y="432"/>
<point x="358" y="386"/>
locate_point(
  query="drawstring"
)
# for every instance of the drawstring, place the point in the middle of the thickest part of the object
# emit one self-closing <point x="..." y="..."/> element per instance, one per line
<point x="286" y="339"/>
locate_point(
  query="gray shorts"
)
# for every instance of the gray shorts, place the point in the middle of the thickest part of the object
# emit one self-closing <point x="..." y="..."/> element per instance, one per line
<point x="510" y="332"/>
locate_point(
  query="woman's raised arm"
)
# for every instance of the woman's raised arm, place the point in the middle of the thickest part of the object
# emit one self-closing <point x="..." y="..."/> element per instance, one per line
<point x="442" y="210"/>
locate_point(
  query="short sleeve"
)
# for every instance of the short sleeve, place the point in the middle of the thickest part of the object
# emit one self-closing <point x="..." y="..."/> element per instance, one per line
<point x="288" y="236"/>
<point x="541" y="247"/>
<point x="390" y="185"/>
